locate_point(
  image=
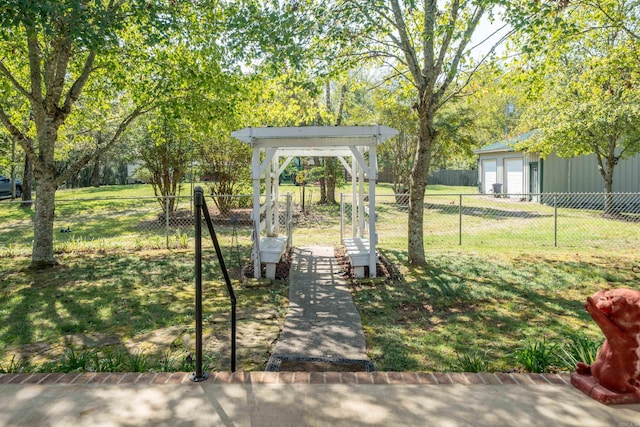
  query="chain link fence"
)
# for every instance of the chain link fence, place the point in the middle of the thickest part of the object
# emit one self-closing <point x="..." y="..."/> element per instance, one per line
<point x="130" y="224"/>
<point x="571" y="220"/>
<point x="593" y="220"/>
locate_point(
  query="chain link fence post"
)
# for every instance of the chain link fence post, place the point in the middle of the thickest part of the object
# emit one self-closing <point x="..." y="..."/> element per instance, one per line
<point x="460" y="221"/>
<point x="341" y="217"/>
<point x="555" y="220"/>
<point x="166" y="217"/>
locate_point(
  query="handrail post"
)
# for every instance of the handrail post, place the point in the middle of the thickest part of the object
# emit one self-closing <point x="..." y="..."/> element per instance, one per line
<point x="198" y="196"/>
<point x="227" y="279"/>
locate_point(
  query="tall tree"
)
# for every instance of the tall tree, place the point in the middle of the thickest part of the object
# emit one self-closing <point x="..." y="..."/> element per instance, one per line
<point x="50" y="52"/>
<point x="335" y="112"/>
<point x="584" y="88"/>
<point x="166" y="148"/>
<point x="393" y="103"/>
<point x="230" y="160"/>
<point x="427" y="43"/>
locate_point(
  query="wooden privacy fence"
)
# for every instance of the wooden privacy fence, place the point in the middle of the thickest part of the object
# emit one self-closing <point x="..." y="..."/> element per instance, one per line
<point x="464" y="178"/>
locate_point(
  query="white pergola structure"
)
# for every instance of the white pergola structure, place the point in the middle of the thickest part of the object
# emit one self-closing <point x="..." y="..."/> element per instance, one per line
<point x="316" y="141"/>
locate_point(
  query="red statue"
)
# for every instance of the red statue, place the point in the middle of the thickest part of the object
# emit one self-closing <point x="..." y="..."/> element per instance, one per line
<point x="617" y="366"/>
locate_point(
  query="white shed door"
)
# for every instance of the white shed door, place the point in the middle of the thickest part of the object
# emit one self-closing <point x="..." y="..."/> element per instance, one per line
<point x="489" y="176"/>
<point x="514" y="176"/>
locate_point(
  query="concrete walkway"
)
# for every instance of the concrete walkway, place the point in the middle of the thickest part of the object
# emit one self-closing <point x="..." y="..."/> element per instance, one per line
<point x="303" y="399"/>
<point x="322" y="321"/>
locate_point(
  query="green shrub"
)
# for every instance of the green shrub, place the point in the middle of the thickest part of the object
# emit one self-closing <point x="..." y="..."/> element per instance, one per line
<point x="111" y="360"/>
<point x="474" y="361"/>
<point x="580" y="348"/>
<point x="536" y="356"/>
<point x="75" y="360"/>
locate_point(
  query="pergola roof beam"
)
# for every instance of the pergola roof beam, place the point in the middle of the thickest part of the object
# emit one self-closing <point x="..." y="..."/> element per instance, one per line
<point x="284" y="165"/>
<point x="317" y="135"/>
<point x="346" y="165"/>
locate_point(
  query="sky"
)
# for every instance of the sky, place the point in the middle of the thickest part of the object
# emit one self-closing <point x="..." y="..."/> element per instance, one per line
<point x="483" y="38"/>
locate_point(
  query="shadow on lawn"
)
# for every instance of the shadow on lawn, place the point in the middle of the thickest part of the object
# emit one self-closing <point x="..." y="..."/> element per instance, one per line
<point x="484" y="212"/>
<point x="103" y="300"/>
<point x="463" y="303"/>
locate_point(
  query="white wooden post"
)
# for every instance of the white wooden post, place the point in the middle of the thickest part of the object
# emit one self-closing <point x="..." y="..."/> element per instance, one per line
<point x="349" y="169"/>
<point x="354" y="197"/>
<point x="289" y="221"/>
<point x="276" y="195"/>
<point x="269" y="199"/>
<point x="373" y="235"/>
<point x="255" y="175"/>
<point x="360" y="202"/>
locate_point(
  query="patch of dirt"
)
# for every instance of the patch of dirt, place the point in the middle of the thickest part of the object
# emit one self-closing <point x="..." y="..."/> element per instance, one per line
<point x="384" y="269"/>
<point x="282" y="268"/>
<point x="424" y="312"/>
<point x="309" y="217"/>
<point x="255" y="336"/>
<point x="155" y="342"/>
<point x="312" y="366"/>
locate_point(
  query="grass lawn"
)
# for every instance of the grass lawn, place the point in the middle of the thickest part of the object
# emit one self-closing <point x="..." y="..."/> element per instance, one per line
<point x="120" y="289"/>
<point x="462" y="304"/>
<point x="109" y="218"/>
<point x="140" y="302"/>
<point x="483" y="305"/>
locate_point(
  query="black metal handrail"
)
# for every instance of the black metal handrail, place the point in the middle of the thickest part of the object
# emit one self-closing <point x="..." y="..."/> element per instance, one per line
<point x="200" y="210"/>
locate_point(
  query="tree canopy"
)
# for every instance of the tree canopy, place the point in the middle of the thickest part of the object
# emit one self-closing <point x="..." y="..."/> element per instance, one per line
<point x="583" y="88"/>
<point x="73" y="70"/>
<point x="76" y="76"/>
<point x="428" y="45"/>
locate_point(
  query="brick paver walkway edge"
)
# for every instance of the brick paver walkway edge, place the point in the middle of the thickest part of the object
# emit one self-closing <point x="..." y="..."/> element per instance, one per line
<point x="261" y="377"/>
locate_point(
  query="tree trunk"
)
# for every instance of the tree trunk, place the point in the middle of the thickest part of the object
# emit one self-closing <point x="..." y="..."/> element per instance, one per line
<point x="27" y="182"/>
<point x="73" y="181"/>
<point x="13" y="168"/>
<point x="42" y="256"/>
<point x="418" y="185"/>
<point x="606" y="166"/>
<point x="323" y="181"/>
<point x="45" y="173"/>
<point x="331" y="163"/>
<point x="331" y="170"/>
<point x="609" y="208"/>
<point x="95" y="173"/>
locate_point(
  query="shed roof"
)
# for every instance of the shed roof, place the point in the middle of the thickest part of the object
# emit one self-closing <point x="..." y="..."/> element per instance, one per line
<point x="495" y="147"/>
<point x="506" y="145"/>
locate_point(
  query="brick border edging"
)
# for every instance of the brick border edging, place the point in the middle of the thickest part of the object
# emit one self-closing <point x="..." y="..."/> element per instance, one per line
<point x="262" y="377"/>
